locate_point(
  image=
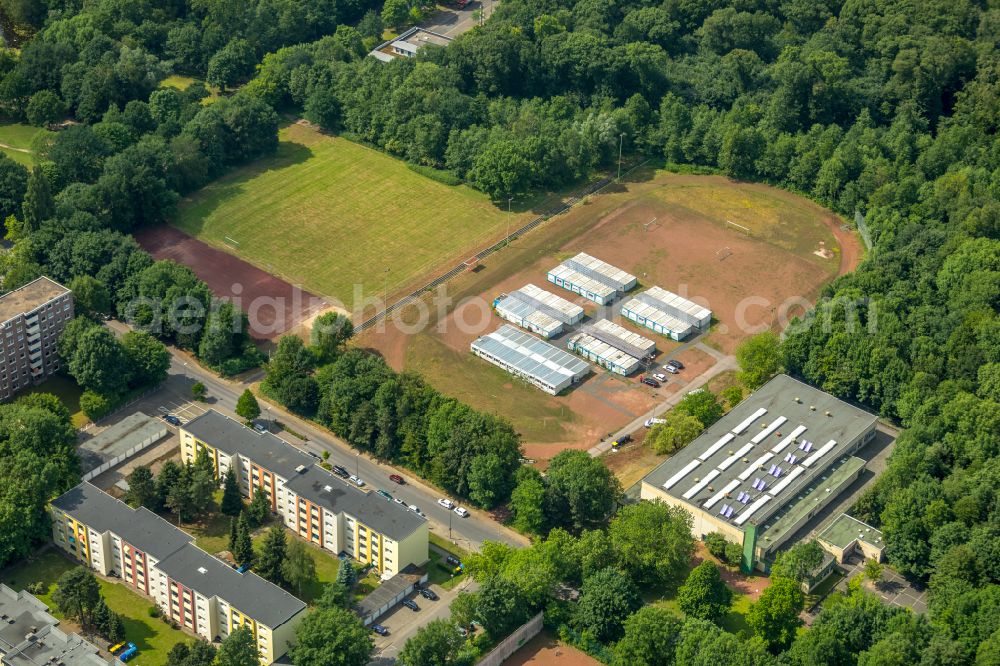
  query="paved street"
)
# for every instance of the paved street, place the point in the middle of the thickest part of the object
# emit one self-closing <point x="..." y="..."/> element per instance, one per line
<point x="174" y="396"/>
<point x="452" y="22"/>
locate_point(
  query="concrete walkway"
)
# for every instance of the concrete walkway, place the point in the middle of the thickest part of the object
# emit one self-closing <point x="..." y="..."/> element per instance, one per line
<point x="723" y="363"/>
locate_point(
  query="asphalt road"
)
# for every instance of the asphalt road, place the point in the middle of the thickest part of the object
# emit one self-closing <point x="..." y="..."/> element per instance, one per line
<point x="469" y="533"/>
<point x="452" y="22"/>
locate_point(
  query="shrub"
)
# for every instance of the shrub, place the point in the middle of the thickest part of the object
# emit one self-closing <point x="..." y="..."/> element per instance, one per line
<point x="95" y="405"/>
<point x="37" y="588"/>
<point x="440" y="175"/>
<point x="154" y="611"/>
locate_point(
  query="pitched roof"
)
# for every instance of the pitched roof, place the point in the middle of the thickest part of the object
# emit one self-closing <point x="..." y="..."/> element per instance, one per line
<point x="249" y="593"/>
<point x="327" y="490"/>
<point x="231" y="436"/>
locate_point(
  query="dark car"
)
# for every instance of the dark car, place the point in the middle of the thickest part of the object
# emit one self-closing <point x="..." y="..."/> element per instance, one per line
<point x="396" y="478"/>
<point x="428" y="594"/>
<point x="340" y="471"/>
<point x="380" y="630"/>
<point x="624" y="439"/>
<point x="411" y="604"/>
<point x="676" y="364"/>
<point x="649" y="381"/>
<point x="172" y="420"/>
<point x="452" y="560"/>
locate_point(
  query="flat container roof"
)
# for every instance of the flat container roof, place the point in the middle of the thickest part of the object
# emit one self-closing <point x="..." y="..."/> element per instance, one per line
<point x="601" y="271"/>
<point x="547" y="300"/>
<point x="29" y="297"/>
<point x="519" y="309"/>
<point x="603" y="350"/>
<point x="759" y="456"/>
<point x="531" y="356"/>
<point x="631" y="339"/>
<point x="669" y="300"/>
<point x="657" y="315"/>
<point x="568" y="274"/>
<point x="845" y="530"/>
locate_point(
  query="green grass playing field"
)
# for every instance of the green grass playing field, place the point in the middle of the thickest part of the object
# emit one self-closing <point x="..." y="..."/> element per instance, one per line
<point x="327" y="213"/>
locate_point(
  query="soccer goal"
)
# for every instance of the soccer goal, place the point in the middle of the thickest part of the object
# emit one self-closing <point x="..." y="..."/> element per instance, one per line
<point x="738" y="227"/>
<point x="649" y="226"/>
<point x="232" y="241"/>
<point x="471" y="263"/>
<point x="723" y="253"/>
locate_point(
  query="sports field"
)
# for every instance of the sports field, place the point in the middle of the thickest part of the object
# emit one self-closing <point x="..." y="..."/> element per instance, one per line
<point x="751" y="280"/>
<point x="329" y="214"/>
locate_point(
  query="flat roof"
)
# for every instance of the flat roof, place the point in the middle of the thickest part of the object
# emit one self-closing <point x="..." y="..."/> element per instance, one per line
<point x="325" y="489"/>
<point x="571" y="275"/>
<point x="845" y="530"/>
<point x="791" y="513"/>
<point x="603" y="350"/>
<point x="520" y="309"/>
<point x="758" y="457"/>
<point x="657" y="315"/>
<point x="211" y="577"/>
<point x="601" y="271"/>
<point x="140" y="527"/>
<point x="546" y="300"/>
<point x="117" y="439"/>
<point x="27" y="298"/>
<point x="265" y="449"/>
<point x="621" y="337"/>
<point x="668" y="301"/>
<point x="390" y="589"/>
<point x="532" y="356"/>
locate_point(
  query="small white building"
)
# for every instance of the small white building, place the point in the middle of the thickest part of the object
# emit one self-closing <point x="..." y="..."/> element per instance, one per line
<point x="592" y="278"/>
<point x="537" y="362"/>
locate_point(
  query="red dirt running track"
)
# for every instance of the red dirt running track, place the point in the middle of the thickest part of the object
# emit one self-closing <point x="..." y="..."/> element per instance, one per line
<point x="273" y="305"/>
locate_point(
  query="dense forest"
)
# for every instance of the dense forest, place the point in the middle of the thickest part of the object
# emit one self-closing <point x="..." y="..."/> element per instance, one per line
<point x="887" y="108"/>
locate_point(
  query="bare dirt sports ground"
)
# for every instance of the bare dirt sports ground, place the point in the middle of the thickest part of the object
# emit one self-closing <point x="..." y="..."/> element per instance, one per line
<point x="273" y="305"/>
<point x="751" y="282"/>
<point x="544" y="650"/>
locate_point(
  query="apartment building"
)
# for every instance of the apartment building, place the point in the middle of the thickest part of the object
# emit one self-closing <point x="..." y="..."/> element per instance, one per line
<point x="311" y="501"/>
<point x="31" y="319"/>
<point x="200" y="592"/>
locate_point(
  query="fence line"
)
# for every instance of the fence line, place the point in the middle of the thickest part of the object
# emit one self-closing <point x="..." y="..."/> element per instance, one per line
<point x="512" y="643"/>
<point x="105" y="466"/>
<point x="593" y="188"/>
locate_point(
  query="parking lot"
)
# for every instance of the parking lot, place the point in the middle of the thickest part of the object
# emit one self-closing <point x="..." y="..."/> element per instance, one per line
<point x="403" y="622"/>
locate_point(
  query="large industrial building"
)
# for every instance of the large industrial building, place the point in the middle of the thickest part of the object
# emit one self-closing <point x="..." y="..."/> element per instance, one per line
<point x="31" y="320"/>
<point x="666" y="313"/>
<point x="538" y="310"/>
<point x="30" y="636"/>
<point x="535" y="361"/>
<point x="612" y="346"/>
<point x="592" y="278"/>
<point x="767" y="467"/>
<point x="196" y="590"/>
<point x="312" y="502"/>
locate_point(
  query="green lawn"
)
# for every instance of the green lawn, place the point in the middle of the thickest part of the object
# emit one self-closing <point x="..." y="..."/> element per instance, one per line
<point x="153" y="637"/>
<point x="68" y="393"/>
<point x="330" y="214"/>
<point x="438" y="571"/>
<point x="16" y="142"/>
<point x="181" y="82"/>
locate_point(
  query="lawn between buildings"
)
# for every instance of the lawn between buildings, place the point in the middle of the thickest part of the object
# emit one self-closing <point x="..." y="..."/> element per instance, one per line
<point x="152" y="636"/>
<point x="330" y="214"/>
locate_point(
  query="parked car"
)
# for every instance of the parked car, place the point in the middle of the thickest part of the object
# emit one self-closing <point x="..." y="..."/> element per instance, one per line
<point x="356" y="480"/>
<point x="260" y="427"/>
<point x="624" y="439"/>
<point x="130" y="651"/>
<point x="446" y="503"/>
<point x="652" y="422"/>
<point x="380" y="630"/>
<point x="398" y="501"/>
<point x="462" y="511"/>
<point x="313" y="454"/>
<point x="649" y="381"/>
<point x="171" y="419"/>
<point x="340" y="471"/>
<point x="115" y="648"/>
<point x="452" y="560"/>
<point x="385" y="494"/>
<point x="396" y="478"/>
<point x="671" y="369"/>
<point x="428" y="594"/>
<point x="675" y="363"/>
<point x="415" y="509"/>
<point x="660" y="377"/>
<point x="411" y="604"/>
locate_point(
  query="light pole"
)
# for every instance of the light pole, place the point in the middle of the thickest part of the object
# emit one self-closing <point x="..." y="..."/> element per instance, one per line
<point x="621" y="138"/>
<point x="385" y="289"/>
